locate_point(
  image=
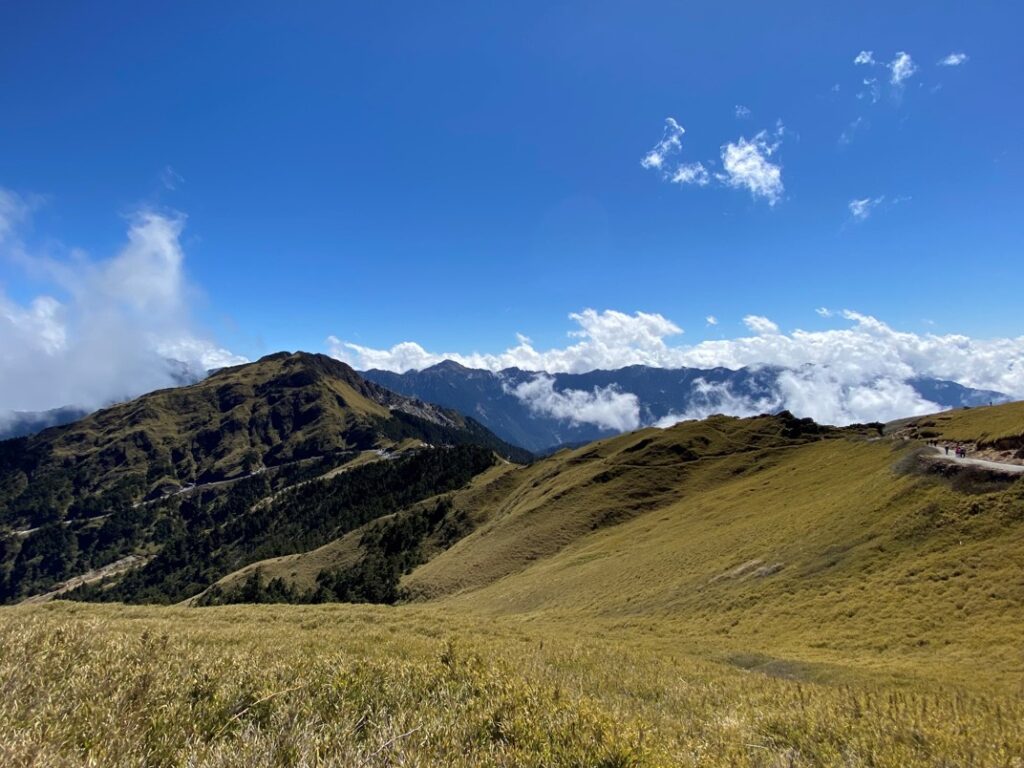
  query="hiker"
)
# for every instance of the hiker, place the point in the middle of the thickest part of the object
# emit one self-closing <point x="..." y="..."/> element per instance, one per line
<point x="946" y="446"/>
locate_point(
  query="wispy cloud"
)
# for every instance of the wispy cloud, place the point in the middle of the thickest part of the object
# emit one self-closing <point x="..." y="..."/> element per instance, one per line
<point x="851" y="130"/>
<point x="865" y="58"/>
<point x="671" y="142"/>
<point x="742" y="112"/>
<point x="902" y="68"/>
<point x="691" y="173"/>
<point x="711" y="320"/>
<point x="760" y="325"/>
<point x="860" y="209"/>
<point x="170" y="178"/>
<point x="953" y="60"/>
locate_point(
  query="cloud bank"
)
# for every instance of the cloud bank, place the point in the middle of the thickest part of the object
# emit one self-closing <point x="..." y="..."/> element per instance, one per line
<point x="105" y="329"/>
<point x="857" y="372"/>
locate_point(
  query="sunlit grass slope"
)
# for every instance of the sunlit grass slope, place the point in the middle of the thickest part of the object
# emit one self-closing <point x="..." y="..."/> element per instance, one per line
<point x="986" y="426"/>
<point x="820" y="554"/>
<point x="419" y="686"/>
<point x="556" y="502"/>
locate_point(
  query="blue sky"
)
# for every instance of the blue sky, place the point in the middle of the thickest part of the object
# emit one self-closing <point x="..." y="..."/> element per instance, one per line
<point x="384" y="172"/>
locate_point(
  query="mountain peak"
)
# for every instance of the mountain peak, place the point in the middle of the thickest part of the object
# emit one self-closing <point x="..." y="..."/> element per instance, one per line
<point x="446" y="366"/>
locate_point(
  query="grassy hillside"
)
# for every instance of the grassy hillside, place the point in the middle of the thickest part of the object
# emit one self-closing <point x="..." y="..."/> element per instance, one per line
<point x="182" y="467"/>
<point x="991" y="426"/>
<point x="734" y="592"/>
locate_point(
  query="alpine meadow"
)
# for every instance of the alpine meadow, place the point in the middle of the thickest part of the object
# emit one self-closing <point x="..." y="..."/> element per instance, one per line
<point x="300" y="465"/>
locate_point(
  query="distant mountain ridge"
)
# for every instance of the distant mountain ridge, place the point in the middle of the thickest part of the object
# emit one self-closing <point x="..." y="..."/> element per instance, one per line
<point x="490" y="398"/>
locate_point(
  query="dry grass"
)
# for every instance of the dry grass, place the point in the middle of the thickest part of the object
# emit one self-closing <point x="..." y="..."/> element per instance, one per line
<point x="984" y="425"/>
<point x="351" y="686"/>
<point x="650" y="600"/>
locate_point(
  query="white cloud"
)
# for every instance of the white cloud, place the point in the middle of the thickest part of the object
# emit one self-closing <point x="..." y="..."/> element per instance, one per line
<point x="711" y="320"/>
<point x="690" y="173"/>
<point x="953" y="59"/>
<point x="742" y="112"/>
<point x="607" y="339"/>
<point x="745" y="162"/>
<point x="861" y="208"/>
<point x="708" y="398"/>
<point x="170" y="178"/>
<point x="760" y="325"/>
<point x="858" y="356"/>
<point x="604" y="407"/>
<point x="865" y="57"/>
<point x="105" y="327"/>
<point x="747" y="165"/>
<point x="671" y="142"/>
<point x="824" y="311"/>
<point x="902" y="68"/>
<point x="826" y="396"/>
<point x="872" y="90"/>
<point x="846" y="137"/>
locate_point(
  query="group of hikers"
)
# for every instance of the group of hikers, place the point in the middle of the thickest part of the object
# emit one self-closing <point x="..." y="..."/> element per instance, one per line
<point x="959" y="449"/>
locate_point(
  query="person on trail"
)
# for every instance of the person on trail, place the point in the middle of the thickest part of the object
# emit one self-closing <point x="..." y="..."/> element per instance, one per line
<point x="947" y="449"/>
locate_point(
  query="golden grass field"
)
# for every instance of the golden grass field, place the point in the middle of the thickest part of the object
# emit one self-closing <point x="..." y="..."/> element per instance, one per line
<point x="714" y="594"/>
<point x="414" y="686"/>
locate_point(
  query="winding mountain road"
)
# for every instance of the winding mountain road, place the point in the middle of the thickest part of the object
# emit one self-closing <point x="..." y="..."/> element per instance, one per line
<point x="998" y="466"/>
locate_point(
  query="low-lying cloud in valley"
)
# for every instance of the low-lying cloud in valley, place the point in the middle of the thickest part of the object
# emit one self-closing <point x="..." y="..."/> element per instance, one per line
<point x="605" y="407"/>
<point x="105" y="328"/>
<point x="857" y="373"/>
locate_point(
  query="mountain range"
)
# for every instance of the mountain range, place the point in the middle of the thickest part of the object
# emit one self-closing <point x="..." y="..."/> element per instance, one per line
<point x="541" y="412"/>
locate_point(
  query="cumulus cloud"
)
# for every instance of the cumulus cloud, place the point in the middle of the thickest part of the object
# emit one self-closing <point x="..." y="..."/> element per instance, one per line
<point x="830" y="396"/>
<point x="105" y="328"/>
<point x="902" y="68"/>
<point x="953" y="59"/>
<point x="865" y="57"/>
<point x="854" y="367"/>
<point x="747" y="164"/>
<point x="671" y="142"/>
<point x="605" y="407"/>
<point x="607" y="339"/>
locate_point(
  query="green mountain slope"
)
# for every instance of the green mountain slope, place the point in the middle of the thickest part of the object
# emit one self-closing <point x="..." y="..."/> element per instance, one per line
<point x="191" y="461"/>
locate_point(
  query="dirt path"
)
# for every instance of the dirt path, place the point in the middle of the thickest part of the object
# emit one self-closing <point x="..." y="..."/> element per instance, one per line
<point x="1016" y="469"/>
<point x="113" y="569"/>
